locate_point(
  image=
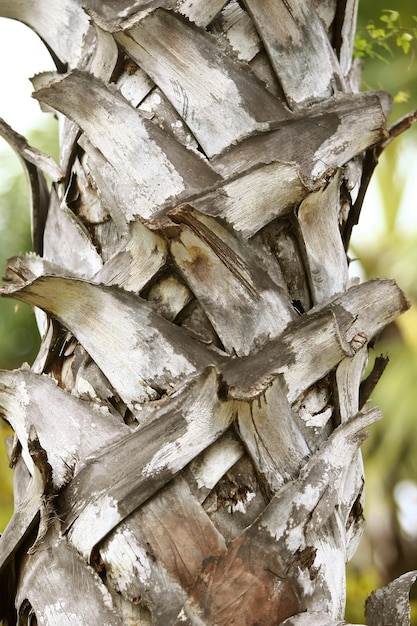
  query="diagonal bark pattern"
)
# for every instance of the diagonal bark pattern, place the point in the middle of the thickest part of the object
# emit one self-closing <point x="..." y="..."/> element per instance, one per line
<point x="187" y="440"/>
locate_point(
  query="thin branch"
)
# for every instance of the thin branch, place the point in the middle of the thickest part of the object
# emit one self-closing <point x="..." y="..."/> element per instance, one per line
<point x="368" y="385"/>
<point x="369" y="164"/>
<point x="396" y="129"/>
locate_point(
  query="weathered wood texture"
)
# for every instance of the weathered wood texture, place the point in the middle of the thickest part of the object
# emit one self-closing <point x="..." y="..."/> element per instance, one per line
<point x="187" y="441"/>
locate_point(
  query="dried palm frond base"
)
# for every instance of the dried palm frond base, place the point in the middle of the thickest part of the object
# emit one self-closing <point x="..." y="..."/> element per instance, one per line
<point x="187" y="441"/>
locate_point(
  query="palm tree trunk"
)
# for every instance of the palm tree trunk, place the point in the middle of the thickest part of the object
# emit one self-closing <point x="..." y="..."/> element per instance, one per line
<point x="187" y="440"/>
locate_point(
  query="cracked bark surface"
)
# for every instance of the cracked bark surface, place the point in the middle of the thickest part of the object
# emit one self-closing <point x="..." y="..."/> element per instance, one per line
<point x="187" y="442"/>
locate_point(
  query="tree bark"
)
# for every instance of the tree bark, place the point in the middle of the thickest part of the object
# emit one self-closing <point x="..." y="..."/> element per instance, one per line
<point x="186" y="444"/>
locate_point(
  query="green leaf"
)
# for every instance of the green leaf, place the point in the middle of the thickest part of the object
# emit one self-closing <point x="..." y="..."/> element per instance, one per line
<point x="362" y="47"/>
<point x="402" y="96"/>
<point x="390" y="17"/>
<point x="403" y="41"/>
<point x="376" y="33"/>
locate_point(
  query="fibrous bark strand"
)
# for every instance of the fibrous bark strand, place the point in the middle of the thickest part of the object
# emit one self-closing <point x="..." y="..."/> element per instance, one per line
<point x="187" y="441"/>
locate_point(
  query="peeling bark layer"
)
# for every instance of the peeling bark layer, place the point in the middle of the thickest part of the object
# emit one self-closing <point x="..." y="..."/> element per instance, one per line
<point x="187" y="442"/>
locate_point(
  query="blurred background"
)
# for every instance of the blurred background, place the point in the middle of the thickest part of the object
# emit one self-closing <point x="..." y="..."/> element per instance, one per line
<point x="384" y="244"/>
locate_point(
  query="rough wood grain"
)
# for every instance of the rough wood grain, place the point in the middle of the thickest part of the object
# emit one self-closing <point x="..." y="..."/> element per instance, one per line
<point x="318" y="218"/>
<point x="278" y="241"/>
<point x="102" y="177"/>
<point x="235" y="24"/>
<point x="170" y="524"/>
<point x="205" y="471"/>
<point x="141" y="573"/>
<point x="153" y="155"/>
<point x="348" y="376"/>
<point x="390" y="605"/>
<point x="134" y="573"/>
<point x="135" y="348"/>
<point x="170" y="295"/>
<point x="162" y="113"/>
<point x="142" y="254"/>
<point x="40" y="588"/>
<point x="190" y="426"/>
<point x="200" y="11"/>
<point x="83" y="198"/>
<point x="134" y="84"/>
<point x="237" y="585"/>
<point x="68" y="429"/>
<point x="245" y="307"/>
<point x="141" y="463"/>
<point x="124" y="13"/>
<point x="68" y="243"/>
<point x="337" y="333"/>
<point x="326" y="10"/>
<point x="346" y="126"/>
<point x="240" y="203"/>
<point x="315" y="411"/>
<point x="105" y="55"/>
<point x="299" y="49"/>
<point x="236" y="500"/>
<point x="207" y="88"/>
<point x="346" y="34"/>
<point x="269" y="430"/>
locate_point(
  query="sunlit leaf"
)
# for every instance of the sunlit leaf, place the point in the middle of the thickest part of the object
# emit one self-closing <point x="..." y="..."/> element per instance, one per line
<point x="403" y="41"/>
<point x="390" y="17"/>
<point x="402" y="96"/>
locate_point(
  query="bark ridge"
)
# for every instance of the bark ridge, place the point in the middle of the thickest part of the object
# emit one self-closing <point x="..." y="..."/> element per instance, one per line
<point x="186" y="444"/>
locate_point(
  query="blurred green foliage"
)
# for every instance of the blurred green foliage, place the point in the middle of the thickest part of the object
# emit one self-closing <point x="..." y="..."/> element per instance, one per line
<point x="19" y="337"/>
<point x="379" y="38"/>
<point x="387" y="247"/>
<point x="16" y="337"/>
<point x="397" y="73"/>
<point x="19" y="340"/>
